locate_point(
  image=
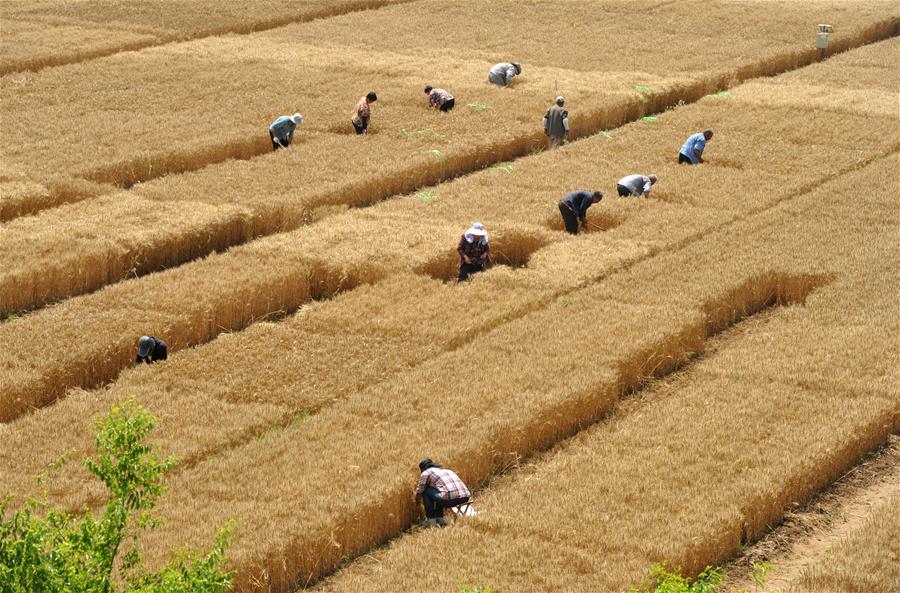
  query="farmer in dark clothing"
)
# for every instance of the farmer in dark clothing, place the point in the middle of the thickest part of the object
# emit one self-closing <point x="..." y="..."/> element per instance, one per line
<point x="150" y="350"/>
<point x="439" y="488"/>
<point x="573" y="208"/>
<point x="281" y="131"/>
<point x="474" y="251"/>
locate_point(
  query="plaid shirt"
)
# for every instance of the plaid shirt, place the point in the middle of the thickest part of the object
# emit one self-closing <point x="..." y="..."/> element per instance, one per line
<point x="362" y="113"/>
<point x="446" y="481"/>
<point x="438" y="97"/>
<point x="477" y="251"/>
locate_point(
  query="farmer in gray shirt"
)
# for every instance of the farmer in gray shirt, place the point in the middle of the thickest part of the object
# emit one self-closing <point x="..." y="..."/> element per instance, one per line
<point x="556" y="123"/>
<point x="635" y="185"/>
<point x="281" y="131"/>
<point x="503" y="73"/>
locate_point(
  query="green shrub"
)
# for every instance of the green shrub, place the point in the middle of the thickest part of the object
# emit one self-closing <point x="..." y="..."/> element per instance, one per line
<point x="45" y="550"/>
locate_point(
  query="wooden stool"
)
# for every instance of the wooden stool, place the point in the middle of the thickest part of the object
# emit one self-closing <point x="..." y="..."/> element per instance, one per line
<point x="462" y="509"/>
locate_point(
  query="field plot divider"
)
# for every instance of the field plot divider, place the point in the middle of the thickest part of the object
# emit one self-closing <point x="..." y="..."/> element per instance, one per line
<point x="245" y="29"/>
<point x="552" y="427"/>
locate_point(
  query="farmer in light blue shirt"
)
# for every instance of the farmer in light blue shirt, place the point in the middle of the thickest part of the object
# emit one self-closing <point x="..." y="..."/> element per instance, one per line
<point x="281" y="131"/>
<point x="692" y="150"/>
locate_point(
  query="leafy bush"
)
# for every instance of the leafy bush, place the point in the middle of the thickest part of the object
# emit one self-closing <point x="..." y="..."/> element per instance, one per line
<point x="46" y="550"/>
<point x="707" y="581"/>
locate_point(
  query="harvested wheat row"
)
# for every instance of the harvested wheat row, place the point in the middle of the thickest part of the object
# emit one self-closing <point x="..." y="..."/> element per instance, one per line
<point x="868" y="559"/>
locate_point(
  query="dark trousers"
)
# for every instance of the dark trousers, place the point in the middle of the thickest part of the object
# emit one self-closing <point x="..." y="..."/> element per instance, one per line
<point x="683" y="159"/>
<point x="275" y="144"/>
<point x="569" y="219"/>
<point x="435" y="505"/>
<point x="466" y="269"/>
<point x="448" y="105"/>
<point x="360" y="129"/>
<point x="624" y="192"/>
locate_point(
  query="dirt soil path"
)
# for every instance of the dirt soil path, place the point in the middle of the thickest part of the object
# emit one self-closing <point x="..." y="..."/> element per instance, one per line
<point x="807" y="533"/>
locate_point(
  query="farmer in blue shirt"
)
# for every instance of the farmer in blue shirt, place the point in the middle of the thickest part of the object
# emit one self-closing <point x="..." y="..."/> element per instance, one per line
<point x="692" y="150"/>
<point x="573" y="208"/>
<point x="282" y="129"/>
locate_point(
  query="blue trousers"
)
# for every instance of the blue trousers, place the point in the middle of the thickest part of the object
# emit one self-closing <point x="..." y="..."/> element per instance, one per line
<point x="435" y="505"/>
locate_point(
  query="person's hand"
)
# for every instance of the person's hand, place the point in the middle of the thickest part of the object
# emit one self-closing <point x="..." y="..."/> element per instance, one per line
<point x="467" y="259"/>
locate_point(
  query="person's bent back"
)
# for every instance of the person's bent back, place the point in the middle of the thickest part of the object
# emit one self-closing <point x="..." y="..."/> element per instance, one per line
<point x="439" y="488"/>
<point x="502" y="74"/>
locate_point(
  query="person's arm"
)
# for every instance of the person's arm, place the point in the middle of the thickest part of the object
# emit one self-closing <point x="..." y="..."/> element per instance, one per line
<point x="420" y="486"/>
<point x="698" y="150"/>
<point x="547" y="123"/>
<point x="698" y="154"/>
<point x="510" y="74"/>
<point x="647" y="186"/>
<point x="461" y="248"/>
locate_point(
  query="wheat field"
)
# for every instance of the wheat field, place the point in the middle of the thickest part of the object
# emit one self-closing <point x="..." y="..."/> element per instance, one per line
<point x="661" y="388"/>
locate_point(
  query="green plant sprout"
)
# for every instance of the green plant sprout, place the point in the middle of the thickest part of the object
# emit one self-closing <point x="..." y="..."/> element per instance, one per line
<point x="425" y="196"/>
<point x="479" y="106"/>
<point x="648" y="118"/>
<point x="505" y="167"/>
<point x="424" y="133"/>
<point x="641" y="87"/>
<point x="721" y="94"/>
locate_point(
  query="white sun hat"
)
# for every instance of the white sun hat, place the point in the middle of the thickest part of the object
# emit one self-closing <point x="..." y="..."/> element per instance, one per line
<point x="297" y="118"/>
<point x="477" y="230"/>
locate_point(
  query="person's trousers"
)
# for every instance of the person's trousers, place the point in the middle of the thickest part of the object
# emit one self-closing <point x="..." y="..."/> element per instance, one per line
<point x="569" y="219"/>
<point x="466" y="269"/>
<point x="684" y="160"/>
<point x="556" y="141"/>
<point x="360" y="129"/>
<point x="624" y="192"/>
<point x="275" y="144"/>
<point x="435" y="505"/>
<point x="448" y="105"/>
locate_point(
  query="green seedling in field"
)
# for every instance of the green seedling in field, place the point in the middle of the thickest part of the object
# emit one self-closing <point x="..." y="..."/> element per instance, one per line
<point x="721" y="94"/>
<point x="666" y="581"/>
<point x="505" y="167"/>
<point x="641" y="88"/>
<point x="479" y="106"/>
<point x="648" y="118"/>
<point x="475" y="589"/>
<point x="425" y="196"/>
<point x="425" y="133"/>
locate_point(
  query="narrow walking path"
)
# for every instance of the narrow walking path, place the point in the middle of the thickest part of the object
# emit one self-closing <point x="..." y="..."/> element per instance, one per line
<point x="807" y="534"/>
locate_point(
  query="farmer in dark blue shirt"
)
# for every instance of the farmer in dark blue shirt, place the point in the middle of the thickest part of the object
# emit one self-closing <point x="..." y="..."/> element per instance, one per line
<point x="281" y="131"/>
<point x="150" y="350"/>
<point x="573" y="208"/>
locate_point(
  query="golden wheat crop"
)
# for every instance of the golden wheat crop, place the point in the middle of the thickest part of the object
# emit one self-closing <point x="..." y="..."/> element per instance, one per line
<point x="306" y="429"/>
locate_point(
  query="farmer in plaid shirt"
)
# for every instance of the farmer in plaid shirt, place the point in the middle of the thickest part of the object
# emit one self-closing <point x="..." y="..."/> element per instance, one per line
<point x="439" y="99"/>
<point x="439" y="488"/>
<point x="474" y="251"/>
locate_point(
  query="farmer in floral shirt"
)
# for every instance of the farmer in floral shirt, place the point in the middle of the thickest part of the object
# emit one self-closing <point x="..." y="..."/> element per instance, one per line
<point x="360" y="119"/>
<point x="439" y="99"/>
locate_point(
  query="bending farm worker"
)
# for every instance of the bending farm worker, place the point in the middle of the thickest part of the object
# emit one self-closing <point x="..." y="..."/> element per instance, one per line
<point x="363" y="112"/>
<point x="439" y="99"/>
<point x="574" y="206"/>
<point x="635" y="185"/>
<point x="281" y="131"/>
<point x="556" y="123"/>
<point x="692" y="150"/>
<point x="502" y="74"/>
<point x="474" y="251"/>
<point x="439" y="488"/>
<point x="150" y="350"/>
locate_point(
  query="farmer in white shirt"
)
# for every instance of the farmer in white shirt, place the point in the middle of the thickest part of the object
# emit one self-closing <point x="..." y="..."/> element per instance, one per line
<point x="635" y="185"/>
<point x="502" y="74"/>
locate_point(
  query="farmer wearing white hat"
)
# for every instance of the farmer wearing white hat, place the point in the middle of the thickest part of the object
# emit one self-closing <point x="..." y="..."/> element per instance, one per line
<point x="150" y="350"/>
<point x="556" y="123"/>
<point x="502" y="74"/>
<point x="281" y="131"/>
<point x="635" y="185"/>
<point x="474" y="251"/>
